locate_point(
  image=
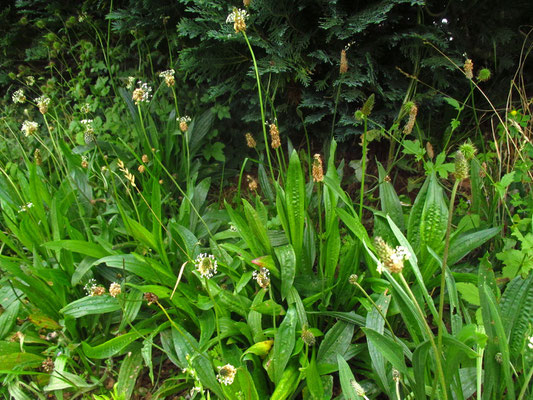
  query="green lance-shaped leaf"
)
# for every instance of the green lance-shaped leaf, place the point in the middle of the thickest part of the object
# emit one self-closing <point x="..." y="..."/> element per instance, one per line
<point x="287" y="261"/>
<point x="390" y="203"/>
<point x="295" y="205"/>
<point x="91" y="305"/>
<point x="346" y="377"/>
<point x="284" y="343"/>
<point x="112" y="346"/>
<point x="130" y="369"/>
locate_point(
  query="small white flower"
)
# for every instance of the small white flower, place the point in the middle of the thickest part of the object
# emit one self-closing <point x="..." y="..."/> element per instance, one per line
<point x="93" y="289"/>
<point x="403" y="252"/>
<point x="236" y="15"/>
<point x="262" y="277"/>
<point x="18" y="96"/>
<point x="142" y="93"/>
<point x="194" y="390"/>
<point x="238" y="18"/>
<point x="206" y="265"/>
<point x="358" y="388"/>
<point x="30" y="80"/>
<point x="86" y="108"/>
<point x="26" y="207"/>
<point x="380" y="268"/>
<point x="29" y="128"/>
<point x="168" y="75"/>
<point x="130" y="83"/>
<point x="530" y="344"/>
<point x="114" y="289"/>
<point x="226" y="374"/>
<point x="184" y="123"/>
<point x="43" y="102"/>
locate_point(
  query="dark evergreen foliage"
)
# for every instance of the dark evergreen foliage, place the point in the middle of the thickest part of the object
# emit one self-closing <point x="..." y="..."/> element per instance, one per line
<point x="298" y="46"/>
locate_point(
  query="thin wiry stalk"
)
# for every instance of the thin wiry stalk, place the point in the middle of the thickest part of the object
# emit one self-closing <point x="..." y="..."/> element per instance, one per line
<point x="260" y="103"/>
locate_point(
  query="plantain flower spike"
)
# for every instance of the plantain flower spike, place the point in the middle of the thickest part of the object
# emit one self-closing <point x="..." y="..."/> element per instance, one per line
<point x="469" y="68"/>
<point x="413" y="111"/>
<point x="238" y="18"/>
<point x="318" y="170"/>
<point x="274" y="135"/>
<point x="344" y="63"/>
<point x="461" y="166"/>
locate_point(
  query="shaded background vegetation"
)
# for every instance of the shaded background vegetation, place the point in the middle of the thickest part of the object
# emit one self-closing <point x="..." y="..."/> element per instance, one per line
<point x="298" y="47"/>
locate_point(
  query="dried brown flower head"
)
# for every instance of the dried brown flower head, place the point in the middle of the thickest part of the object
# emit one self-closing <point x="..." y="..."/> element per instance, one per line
<point x="469" y="68"/>
<point x="238" y="18"/>
<point x="142" y="93"/>
<point x="250" y="141"/>
<point x="318" y="170"/>
<point x="483" y="170"/>
<point x="168" y="75"/>
<point x="48" y="365"/>
<point x="344" y="63"/>
<point x="429" y="150"/>
<point x="184" y="123"/>
<point x="274" y="136"/>
<point x="151" y="298"/>
<point x="413" y="111"/>
<point x="252" y="183"/>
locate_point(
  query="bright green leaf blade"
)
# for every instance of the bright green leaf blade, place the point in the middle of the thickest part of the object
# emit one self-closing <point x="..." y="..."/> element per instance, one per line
<point x="91" y="305"/>
<point x="284" y="343"/>
<point x="78" y="246"/>
<point x="112" y="346"/>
